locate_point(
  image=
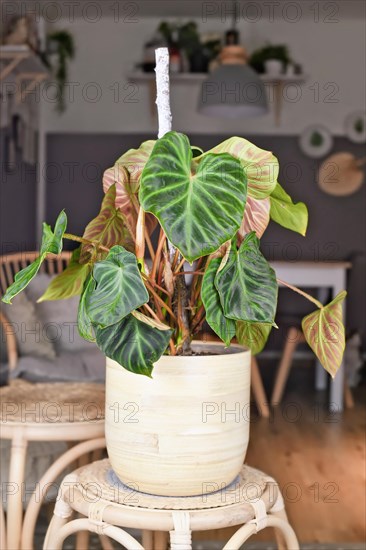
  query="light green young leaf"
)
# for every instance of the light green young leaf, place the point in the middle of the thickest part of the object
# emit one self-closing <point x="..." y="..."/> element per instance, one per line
<point x="200" y="207"/>
<point x="70" y="282"/>
<point x="286" y="213"/>
<point x="51" y="244"/>
<point x="324" y="332"/>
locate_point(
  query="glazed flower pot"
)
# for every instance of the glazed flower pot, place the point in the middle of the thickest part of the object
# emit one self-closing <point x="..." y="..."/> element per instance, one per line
<point x="185" y="431"/>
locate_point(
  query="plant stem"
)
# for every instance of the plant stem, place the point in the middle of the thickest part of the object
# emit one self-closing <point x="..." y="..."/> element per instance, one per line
<point x="307" y="296"/>
<point x="160" y="300"/>
<point x="180" y="265"/>
<point x="159" y="249"/>
<point x="71" y="237"/>
<point x="152" y="312"/>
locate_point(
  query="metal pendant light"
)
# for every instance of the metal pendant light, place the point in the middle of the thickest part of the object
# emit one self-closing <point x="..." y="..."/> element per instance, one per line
<point x="233" y="89"/>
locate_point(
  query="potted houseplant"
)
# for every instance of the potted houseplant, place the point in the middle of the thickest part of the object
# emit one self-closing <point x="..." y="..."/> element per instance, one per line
<point x="170" y="425"/>
<point x="270" y="59"/>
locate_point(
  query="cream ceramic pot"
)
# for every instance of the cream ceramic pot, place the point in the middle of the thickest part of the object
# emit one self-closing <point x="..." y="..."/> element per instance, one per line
<point x="185" y="431"/>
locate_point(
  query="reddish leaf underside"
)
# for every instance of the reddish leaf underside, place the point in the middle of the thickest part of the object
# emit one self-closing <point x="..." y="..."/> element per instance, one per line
<point x="107" y="229"/>
<point x="256" y="217"/>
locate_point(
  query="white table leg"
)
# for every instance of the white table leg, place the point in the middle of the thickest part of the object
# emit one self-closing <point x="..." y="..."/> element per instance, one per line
<point x="337" y="384"/>
<point x="16" y="476"/>
<point x="321" y="376"/>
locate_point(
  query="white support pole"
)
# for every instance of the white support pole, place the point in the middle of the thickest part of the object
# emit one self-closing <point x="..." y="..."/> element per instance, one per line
<point x="163" y="102"/>
<point x="163" y="91"/>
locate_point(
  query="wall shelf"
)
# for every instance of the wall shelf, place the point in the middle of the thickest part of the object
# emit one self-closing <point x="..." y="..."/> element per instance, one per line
<point x="139" y="76"/>
<point x="277" y="84"/>
<point x="21" y="64"/>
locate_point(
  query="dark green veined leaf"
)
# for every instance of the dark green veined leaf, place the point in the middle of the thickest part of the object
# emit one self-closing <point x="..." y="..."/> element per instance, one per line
<point x="223" y="327"/>
<point x="252" y="335"/>
<point x="119" y="288"/>
<point x="51" y="243"/>
<point x="200" y="207"/>
<point x="261" y="167"/>
<point x="247" y="284"/>
<point x="136" y="342"/>
<point x="286" y="213"/>
<point x="107" y="229"/>
<point x="85" y="326"/>
<point x="324" y="332"/>
<point x="52" y="240"/>
<point x="70" y="282"/>
<point x="21" y="280"/>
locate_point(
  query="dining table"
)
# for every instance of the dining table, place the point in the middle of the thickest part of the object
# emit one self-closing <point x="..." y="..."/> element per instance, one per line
<point x="322" y="276"/>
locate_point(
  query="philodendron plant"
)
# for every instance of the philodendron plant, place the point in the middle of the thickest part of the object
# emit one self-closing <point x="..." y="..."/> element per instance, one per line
<point x="206" y="213"/>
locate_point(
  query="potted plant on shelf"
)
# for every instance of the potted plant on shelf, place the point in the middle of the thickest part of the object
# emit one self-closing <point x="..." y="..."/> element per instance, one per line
<point x="270" y="59"/>
<point x="60" y="51"/>
<point x="169" y="397"/>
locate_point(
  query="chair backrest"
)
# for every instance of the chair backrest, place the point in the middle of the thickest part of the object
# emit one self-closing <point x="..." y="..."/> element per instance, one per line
<point x="10" y="264"/>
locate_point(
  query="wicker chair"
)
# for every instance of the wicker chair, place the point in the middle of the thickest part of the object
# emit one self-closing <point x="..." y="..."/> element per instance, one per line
<point x="10" y="264"/>
<point x="71" y="427"/>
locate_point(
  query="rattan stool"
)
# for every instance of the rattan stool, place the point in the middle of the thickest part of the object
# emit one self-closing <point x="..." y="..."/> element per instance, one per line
<point x="253" y="500"/>
<point x="71" y="412"/>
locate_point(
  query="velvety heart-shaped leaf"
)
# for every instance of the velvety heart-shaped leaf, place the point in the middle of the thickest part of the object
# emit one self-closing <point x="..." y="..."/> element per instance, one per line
<point x="222" y="326"/>
<point x="247" y="284"/>
<point x="51" y="244"/>
<point x="252" y="335"/>
<point x="256" y="217"/>
<point x="136" y="342"/>
<point x="119" y="288"/>
<point x="199" y="207"/>
<point x="70" y="282"/>
<point x="324" y="332"/>
<point x="286" y="213"/>
<point x="260" y="166"/>
<point x="85" y="325"/>
<point x="107" y="229"/>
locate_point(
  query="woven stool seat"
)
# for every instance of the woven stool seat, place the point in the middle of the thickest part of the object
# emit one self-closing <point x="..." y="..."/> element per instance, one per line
<point x="99" y="480"/>
<point x="72" y="412"/>
<point x="107" y="506"/>
<point x="51" y="403"/>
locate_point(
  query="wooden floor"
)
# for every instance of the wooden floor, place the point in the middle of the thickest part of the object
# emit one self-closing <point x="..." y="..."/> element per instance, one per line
<point x="317" y="458"/>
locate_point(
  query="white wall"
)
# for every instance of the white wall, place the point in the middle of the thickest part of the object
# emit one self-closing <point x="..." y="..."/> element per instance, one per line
<point x="332" y="54"/>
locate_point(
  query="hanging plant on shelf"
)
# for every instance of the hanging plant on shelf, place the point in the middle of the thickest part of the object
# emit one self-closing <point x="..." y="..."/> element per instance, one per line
<point x="61" y="45"/>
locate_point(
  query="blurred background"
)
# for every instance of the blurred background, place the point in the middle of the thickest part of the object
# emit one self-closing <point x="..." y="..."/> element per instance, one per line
<point x="78" y="90"/>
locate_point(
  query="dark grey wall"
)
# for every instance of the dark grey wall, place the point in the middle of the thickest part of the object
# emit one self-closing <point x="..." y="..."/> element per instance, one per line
<point x="17" y="202"/>
<point x="336" y="228"/>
